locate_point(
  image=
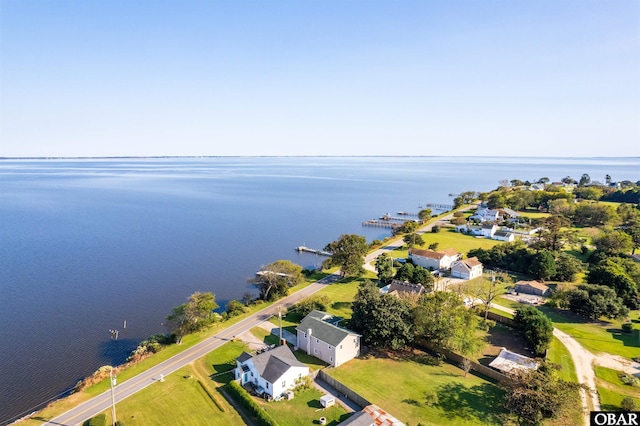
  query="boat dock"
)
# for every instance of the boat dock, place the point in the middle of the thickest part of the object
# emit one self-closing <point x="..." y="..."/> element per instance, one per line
<point x="407" y="214"/>
<point x="445" y="207"/>
<point x="314" y="251"/>
<point x="381" y="223"/>
<point x="398" y="219"/>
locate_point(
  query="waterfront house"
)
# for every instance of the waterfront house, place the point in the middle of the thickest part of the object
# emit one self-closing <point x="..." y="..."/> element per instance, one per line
<point x="272" y="372"/>
<point x="467" y="269"/>
<point x="532" y="287"/>
<point x="434" y="260"/>
<point x="318" y="337"/>
<point x="404" y="288"/>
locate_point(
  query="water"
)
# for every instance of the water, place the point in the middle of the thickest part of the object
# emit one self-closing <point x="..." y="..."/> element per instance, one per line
<point x="88" y="244"/>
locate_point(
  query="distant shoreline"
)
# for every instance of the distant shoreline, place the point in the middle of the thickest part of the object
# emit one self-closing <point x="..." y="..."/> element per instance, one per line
<point x="125" y="157"/>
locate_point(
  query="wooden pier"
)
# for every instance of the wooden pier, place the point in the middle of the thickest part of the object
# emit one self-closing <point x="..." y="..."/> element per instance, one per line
<point x="397" y="219"/>
<point x="445" y="207"/>
<point x="407" y="214"/>
<point x="381" y="223"/>
<point x="314" y="251"/>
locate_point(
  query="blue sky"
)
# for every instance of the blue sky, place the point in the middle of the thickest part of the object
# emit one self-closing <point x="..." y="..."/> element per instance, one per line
<point x="348" y="77"/>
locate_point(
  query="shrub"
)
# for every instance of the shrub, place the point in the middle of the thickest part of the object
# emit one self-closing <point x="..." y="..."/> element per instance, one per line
<point x="628" y="404"/>
<point x="629" y="380"/>
<point x="234" y="307"/>
<point x="627" y="327"/>
<point x="247" y="401"/>
<point x="435" y="229"/>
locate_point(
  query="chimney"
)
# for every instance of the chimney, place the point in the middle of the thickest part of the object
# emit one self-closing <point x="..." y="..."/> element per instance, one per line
<point x="309" y="341"/>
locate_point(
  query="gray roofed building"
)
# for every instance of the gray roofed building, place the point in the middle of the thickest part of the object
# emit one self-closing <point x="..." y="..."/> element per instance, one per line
<point x="273" y="371"/>
<point x="328" y="342"/>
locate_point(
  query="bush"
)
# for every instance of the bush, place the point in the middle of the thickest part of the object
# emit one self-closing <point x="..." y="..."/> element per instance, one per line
<point x="435" y="229"/>
<point x="629" y="379"/>
<point x="234" y="307"/>
<point x="627" y="327"/>
<point x="628" y="404"/>
<point x="247" y="401"/>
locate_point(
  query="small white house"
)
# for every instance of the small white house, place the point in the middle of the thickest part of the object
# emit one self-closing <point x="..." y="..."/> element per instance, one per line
<point x="467" y="269"/>
<point x="272" y="372"/>
<point x="435" y="260"/>
<point x="504" y="236"/>
<point x="328" y="342"/>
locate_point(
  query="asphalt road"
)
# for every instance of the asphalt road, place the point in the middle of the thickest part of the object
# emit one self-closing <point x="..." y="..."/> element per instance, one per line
<point x="102" y="402"/>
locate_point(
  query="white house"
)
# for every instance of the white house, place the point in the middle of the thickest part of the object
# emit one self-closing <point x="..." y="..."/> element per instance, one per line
<point x="467" y="269"/>
<point x="436" y="260"/>
<point x="272" y="372"/>
<point x="484" y="214"/>
<point x="486" y="230"/>
<point x="504" y="236"/>
<point x="330" y="343"/>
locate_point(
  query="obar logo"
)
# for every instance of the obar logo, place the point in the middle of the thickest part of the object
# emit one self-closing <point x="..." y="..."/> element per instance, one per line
<point x="615" y="418"/>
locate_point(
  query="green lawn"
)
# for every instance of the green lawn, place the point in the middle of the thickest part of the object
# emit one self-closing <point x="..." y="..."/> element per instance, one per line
<point x="303" y="409"/>
<point x="447" y="238"/>
<point x="414" y="392"/>
<point x="179" y="399"/>
<point x="612" y="390"/>
<point x="603" y="336"/>
<point x="559" y="354"/>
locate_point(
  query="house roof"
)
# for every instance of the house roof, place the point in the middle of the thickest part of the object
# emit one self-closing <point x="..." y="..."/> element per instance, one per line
<point x="271" y="365"/>
<point x="502" y="233"/>
<point x="467" y="263"/>
<point x="450" y="252"/>
<point x="427" y="253"/>
<point x="320" y="329"/>
<point x="534" y="284"/>
<point x="510" y="212"/>
<point x="488" y="225"/>
<point x="405" y="287"/>
<point x="243" y="357"/>
<point x="358" y="419"/>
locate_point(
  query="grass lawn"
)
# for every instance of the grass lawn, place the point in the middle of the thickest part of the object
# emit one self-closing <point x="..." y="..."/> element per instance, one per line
<point x="303" y="409"/>
<point x="414" y="392"/>
<point x="559" y="354"/>
<point x="612" y="390"/>
<point x="448" y="237"/>
<point x="603" y="336"/>
<point x="180" y="399"/>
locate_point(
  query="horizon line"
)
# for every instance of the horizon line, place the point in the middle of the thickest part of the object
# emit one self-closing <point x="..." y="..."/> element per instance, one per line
<point x="98" y="157"/>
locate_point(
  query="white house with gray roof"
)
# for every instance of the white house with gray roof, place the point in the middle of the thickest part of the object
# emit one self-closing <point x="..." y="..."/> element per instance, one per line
<point x="271" y="372"/>
<point x="328" y="342"/>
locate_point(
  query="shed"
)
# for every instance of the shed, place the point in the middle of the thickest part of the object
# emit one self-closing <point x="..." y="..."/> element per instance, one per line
<point x="327" y="401"/>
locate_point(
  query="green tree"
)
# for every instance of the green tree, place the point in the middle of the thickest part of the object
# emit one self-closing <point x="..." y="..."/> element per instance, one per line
<point x="612" y="241"/>
<point x="535" y="395"/>
<point x="234" y="307"/>
<point x="567" y="267"/>
<point x="595" y="301"/>
<point x="543" y="265"/>
<point x="408" y="227"/>
<point x="424" y="215"/>
<point x="619" y="274"/>
<point x="384" y="266"/>
<point x="275" y="279"/>
<point x="593" y="214"/>
<point x="192" y="316"/>
<point x="487" y="289"/>
<point x="413" y="239"/>
<point x="588" y="193"/>
<point x="535" y="327"/>
<point x="441" y="318"/>
<point x="316" y="302"/>
<point x="496" y="201"/>
<point x="383" y="320"/>
<point x="348" y="254"/>
<point x="584" y="180"/>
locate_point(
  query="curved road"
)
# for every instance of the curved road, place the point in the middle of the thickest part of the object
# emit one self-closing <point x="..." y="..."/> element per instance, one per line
<point x="102" y="402"/>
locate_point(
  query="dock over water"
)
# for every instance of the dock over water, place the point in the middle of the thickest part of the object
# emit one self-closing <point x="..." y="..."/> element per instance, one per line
<point x="314" y="251"/>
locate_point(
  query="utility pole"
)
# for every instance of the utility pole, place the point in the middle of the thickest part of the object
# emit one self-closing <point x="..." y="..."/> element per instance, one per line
<point x="280" y="317"/>
<point x="113" y="397"/>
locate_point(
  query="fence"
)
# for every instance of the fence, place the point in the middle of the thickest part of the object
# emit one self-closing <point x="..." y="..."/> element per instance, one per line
<point x="458" y="359"/>
<point x="343" y="389"/>
<point x="501" y="319"/>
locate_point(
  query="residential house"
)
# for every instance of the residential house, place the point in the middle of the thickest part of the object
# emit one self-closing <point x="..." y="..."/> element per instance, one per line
<point x="328" y="342"/>
<point x="400" y="288"/>
<point x="272" y="372"/>
<point x="467" y="269"/>
<point x="510" y="362"/>
<point x="484" y="214"/>
<point x="504" y="236"/>
<point x="532" y="287"/>
<point x="435" y="260"/>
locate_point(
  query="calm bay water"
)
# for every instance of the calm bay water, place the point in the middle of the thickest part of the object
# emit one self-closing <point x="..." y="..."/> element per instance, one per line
<point x="87" y="244"/>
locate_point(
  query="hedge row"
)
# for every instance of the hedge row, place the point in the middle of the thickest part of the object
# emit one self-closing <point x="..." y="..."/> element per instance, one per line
<point x="247" y="401"/>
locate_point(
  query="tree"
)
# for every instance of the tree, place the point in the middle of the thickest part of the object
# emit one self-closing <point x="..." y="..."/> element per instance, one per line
<point x="496" y="201"/>
<point x="348" y="254"/>
<point x="383" y="320"/>
<point x="584" y="180"/>
<point x="413" y="239"/>
<point x="535" y="327"/>
<point x="569" y="180"/>
<point x="424" y="215"/>
<point x="595" y="301"/>
<point x="275" y="279"/>
<point x="409" y="226"/>
<point x="622" y="275"/>
<point x="592" y="214"/>
<point x="544" y="180"/>
<point x="614" y="242"/>
<point x="543" y="265"/>
<point x="567" y="267"/>
<point x="384" y="266"/>
<point x="551" y="236"/>
<point x="234" y="307"/>
<point x="535" y="395"/>
<point x="192" y="316"/>
<point x="441" y="318"/>
<point x="434" y="246"/>
<point x="316" y="302"/>
<point x="487" y="290"/>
